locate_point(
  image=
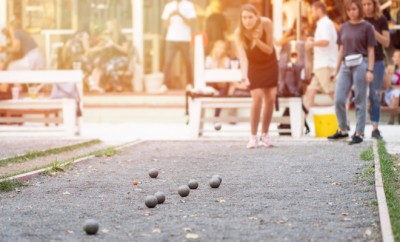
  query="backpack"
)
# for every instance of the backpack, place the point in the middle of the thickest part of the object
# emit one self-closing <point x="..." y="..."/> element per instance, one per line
<point x="290" y="82"/>
<point x="291" y="68"/>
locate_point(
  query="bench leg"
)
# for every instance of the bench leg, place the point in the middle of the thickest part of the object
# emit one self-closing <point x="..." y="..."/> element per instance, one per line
<point x="194" y="118"/>
<point x="296" y="117"/>
<point x="69" y="116"/>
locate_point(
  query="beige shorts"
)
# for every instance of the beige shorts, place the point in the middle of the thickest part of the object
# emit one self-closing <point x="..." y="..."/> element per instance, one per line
<point x="322" y="82"/>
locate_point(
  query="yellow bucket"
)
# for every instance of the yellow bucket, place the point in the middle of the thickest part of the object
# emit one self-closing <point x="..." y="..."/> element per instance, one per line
<point x="325" y="124"/>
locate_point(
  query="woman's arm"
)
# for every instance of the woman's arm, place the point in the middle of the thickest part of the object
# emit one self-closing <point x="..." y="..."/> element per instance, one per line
<point x="369" y="77"/>
<point x="339" y="60"/>
<point x="388" y="74"/>
<point x="384" y="38"/>
<point x="268" y="46"/>
<point x="242" y="57"/>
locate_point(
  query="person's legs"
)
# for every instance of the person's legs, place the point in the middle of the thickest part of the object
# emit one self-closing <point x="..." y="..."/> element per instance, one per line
<point x="257" y="96"/>
<point x="360" y="97"/>
<point x="327" y="84"/>
<point x="375" y="91"/>
<point x="185" y="50"/>
<point x="343" y="87"/>
<point x="313" y="88"/>
<point x="171" y="48"/>
<point x="268" y="109"/>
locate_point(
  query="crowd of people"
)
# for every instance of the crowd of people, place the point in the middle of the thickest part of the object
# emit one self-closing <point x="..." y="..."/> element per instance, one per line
<point x="349" y="58"/>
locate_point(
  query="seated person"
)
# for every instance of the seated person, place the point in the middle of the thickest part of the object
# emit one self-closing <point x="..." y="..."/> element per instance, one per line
<point x="111" y="56"/>
<point x="392" y="84"/>
<point x="218" y="59"/>
<point x="23" y="45"/>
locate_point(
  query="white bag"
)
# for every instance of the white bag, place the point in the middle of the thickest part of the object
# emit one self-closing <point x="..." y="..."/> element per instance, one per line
<point x="353" y="60"/>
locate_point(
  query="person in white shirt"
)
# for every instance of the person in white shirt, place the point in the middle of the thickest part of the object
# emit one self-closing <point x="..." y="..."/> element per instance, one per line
<point x="178" y="16"/>
<point x="325" y="55"/>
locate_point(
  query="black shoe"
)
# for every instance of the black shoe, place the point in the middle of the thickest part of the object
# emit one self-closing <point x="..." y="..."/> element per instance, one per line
<point x="338" y="135"/>
<point x="355" y="140"/>
<point x="354" y="134"/>
<point x="376" y="134"/>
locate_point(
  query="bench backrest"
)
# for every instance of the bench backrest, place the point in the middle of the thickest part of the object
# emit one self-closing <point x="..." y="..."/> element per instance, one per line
<point x="42" y="76"/>
<point x="203" y="76"/>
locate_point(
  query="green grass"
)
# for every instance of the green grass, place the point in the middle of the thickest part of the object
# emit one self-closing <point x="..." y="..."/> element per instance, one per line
<point x="105" y="153"/>
<point x="367" y="155"/>
<point x="53" y="151"/>
<point x="10" y="185"/>
<point x="390" y="184"/>
<point x="65" y="164"/>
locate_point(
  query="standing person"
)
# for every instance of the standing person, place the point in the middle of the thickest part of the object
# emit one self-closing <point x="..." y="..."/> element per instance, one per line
<point x="178" y="17"/>
<point x="355" y="65"/>
<point x="325" y="54"/>
<point x="259" y="67"/>
<point x="381" y="30"/>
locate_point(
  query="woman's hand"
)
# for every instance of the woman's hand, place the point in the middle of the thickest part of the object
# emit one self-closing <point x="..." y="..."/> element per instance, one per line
<point x="369" y="77"/>
<point x="333" y="75"/>
<point x="245" y="83"/>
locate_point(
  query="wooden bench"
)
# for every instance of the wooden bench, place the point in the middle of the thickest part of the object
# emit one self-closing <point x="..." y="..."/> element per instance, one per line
<point x="198" y="105"/>
<point x="19" y="111"/>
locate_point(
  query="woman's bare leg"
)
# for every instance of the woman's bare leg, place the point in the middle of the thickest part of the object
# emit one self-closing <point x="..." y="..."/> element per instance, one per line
<point x="257" y="97"/>
<point x="268" y="109"/>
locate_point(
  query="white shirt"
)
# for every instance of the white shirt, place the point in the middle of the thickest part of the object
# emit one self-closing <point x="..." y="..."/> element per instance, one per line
<point x="177" y="29"/>
<point x="325" y="56"/>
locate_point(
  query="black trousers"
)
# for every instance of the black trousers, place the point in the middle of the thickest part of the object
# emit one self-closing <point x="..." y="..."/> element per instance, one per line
<point x="171" y="48"/>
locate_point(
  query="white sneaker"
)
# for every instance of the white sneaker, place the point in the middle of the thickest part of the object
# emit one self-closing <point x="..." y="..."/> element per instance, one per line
<point x="252" y="143"/>
<point x="265" y="141"/>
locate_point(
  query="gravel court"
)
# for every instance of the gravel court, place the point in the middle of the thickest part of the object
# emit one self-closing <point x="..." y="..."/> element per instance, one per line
<point x="297" y="191"/>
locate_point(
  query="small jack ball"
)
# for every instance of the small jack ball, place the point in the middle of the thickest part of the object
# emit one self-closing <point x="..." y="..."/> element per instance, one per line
<point x="153" y="173"/>
<point x="217" y="126"/>
<point x="160" y="197"/>
<point x="219" y="177"/>
<point x="193" y="184"/>
<point x="151" y="201"/>
<point x="91" y="226"/>
<point x="183" y="190"/>
<point x="214" y="182"/>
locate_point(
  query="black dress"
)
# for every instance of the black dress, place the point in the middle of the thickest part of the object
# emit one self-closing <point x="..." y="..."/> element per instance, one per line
<point x="263" y="67"/>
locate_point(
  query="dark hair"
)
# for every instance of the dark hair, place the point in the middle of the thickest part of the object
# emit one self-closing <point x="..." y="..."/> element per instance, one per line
<point x="320" y="5"/>
<point x="358" y="4"/>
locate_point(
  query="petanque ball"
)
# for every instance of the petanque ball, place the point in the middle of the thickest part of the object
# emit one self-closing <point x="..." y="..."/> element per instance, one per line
<point x="91" y="226"/>
<point x="219" y="177"/>
<point x="193" y="184"/>
<point x="153" y="173"/>
<point x="160" y="197"/>
<point x="183" y="190"/>
<point x="151" y="201"/>
<point x="217" y="126"/>
<point x="214" y="182"/>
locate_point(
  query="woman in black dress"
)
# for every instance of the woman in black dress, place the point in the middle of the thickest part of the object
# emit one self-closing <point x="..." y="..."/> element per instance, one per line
<point x="259" y="69"/>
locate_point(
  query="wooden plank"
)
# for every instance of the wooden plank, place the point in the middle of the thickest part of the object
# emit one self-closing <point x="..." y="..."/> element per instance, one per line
<point x="390" y="110"/>
<point x="47" y="76"/>
<point x="34" y="129"/>
<point x="222" y="75"/>
<point x="31" y="120"/>
<point x="233" y="119"/>
<point x="33" y="104"/>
